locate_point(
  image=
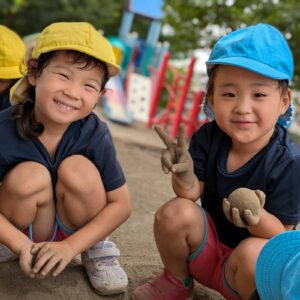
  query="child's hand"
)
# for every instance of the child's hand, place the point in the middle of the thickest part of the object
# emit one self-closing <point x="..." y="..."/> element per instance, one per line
<point x="25" y="259"/>
<point x="49" y="256"/>
<point x="246" y="217"/>
<point x="176" y="158"/>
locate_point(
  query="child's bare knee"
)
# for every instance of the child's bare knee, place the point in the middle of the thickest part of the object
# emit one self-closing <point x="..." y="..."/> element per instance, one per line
<point x="78" y="173"/>
<point x="175" y="214"/>
<point x="27" y="178"/>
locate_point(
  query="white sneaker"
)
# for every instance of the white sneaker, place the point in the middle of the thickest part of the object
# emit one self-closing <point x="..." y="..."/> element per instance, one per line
<point x="6" y="254"/>
<point x="103" y="268"/>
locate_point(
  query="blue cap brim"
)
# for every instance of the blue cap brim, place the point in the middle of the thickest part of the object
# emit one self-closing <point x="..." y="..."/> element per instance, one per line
<point x="249" y="64"/>
<point x="271" y="264"/>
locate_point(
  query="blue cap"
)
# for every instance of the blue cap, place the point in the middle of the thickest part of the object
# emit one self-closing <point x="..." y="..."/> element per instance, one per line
<point x="260" y="48"/>
<point x="277" y="273"/>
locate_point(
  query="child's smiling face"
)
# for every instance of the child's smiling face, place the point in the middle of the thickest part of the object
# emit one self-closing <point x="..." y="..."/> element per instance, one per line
<point x="65" y="91"/>
<point x="247" y="105"/>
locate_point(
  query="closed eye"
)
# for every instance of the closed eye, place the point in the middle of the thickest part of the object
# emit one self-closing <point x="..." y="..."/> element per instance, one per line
<point x="259" y="95"/>
<point x="90" y="86"/>
<point x="63" y="76"/>
<point x="228" y="95"/>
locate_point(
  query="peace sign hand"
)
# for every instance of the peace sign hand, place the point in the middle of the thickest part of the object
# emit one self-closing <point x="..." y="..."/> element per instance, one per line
<point x="176" y="158"/>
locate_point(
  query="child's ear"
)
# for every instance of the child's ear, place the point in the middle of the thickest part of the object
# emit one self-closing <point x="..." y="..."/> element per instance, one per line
<point x="32" y="65"/>
<point x="286" y="101"/>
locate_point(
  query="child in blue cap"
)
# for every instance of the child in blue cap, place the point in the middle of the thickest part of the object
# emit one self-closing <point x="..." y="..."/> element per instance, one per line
<point x="245" y="145"/>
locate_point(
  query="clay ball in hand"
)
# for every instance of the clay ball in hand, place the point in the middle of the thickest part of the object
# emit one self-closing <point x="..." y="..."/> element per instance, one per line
<point x="243" y="198"/>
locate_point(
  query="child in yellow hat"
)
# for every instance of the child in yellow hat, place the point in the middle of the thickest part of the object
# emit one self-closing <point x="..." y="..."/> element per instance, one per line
<point x="62" y="189"/>
<point x="12" y="53"/>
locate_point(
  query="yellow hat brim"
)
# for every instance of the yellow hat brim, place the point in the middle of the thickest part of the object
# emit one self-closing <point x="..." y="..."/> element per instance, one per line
<point x="10" y="72"/>
<point x="19" y="90"/>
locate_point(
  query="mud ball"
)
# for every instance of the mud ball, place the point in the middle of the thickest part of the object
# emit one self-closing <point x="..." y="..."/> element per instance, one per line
<point x="243" y="198"/>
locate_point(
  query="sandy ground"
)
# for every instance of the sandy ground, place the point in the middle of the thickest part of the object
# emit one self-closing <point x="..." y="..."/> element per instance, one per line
<point x="138" y="151"/>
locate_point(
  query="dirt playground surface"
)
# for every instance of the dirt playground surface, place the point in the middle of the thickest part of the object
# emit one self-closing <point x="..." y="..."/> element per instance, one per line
<point x="138" y="150"/>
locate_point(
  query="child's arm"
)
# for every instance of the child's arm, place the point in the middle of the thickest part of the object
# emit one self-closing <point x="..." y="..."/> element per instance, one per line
<point x="115" y="213"/>
<point x="268" y="226"/>
<point x="18" y="242"/>
<point x="263" y="225"/>
<point x="177" y="160"/>
<point x="192" y="190"/>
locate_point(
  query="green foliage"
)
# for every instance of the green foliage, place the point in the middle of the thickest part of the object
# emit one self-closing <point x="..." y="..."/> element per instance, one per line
<point x="198" y="23"/>
<point x="195" y="23"/>
<point x="29" y="16"/>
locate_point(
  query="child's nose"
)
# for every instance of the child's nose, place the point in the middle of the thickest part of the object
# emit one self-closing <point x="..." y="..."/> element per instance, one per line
<point x="72" y="91"/>
<point x="243" y="106"/>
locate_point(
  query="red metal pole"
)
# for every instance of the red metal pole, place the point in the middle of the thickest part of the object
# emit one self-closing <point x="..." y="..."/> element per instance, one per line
<point x="156" y="96"/>
<point x="194" y="113"/>
<point x="182" y="99"/>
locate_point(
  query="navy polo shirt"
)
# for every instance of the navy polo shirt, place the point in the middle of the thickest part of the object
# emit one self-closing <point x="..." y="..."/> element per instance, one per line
<point x="89" y="137"/>
<point x="275" y="170"/>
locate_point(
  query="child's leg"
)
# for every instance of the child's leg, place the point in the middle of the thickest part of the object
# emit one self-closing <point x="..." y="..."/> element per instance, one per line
<point x="80" y="197"/>
<point x="179" y="230"/>
<point x="240" y="266"/>
<point x="80" y="194"/>
<point x="26" y="198"/>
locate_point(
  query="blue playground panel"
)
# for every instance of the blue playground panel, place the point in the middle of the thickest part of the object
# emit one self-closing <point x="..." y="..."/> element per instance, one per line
<point x="152" y="9"/>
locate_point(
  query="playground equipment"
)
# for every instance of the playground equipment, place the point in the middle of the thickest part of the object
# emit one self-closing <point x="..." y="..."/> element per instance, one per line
<point x="136" y="93"/>
<point x="115" y="102"/>
<point x="134" y="57"/>
<point x="178" y="93"/>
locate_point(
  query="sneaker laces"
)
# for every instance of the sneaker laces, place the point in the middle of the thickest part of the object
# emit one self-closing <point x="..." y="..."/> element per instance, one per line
<point x="108" y="261"/>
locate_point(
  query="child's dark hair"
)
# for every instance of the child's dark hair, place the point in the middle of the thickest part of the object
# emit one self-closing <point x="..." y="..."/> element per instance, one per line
<point x="283" y="85"/>
<point x="23" y="112"/>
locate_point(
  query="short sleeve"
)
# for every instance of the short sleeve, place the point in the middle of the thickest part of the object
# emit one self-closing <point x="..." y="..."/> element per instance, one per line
<point x="283" y="198"/>
<point x="106" y="160"/>
<point x="199" y="149"/>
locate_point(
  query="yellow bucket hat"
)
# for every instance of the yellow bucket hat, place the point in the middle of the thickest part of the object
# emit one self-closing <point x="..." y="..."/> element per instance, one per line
<point x="77" y="36"/>
<point x="12" y="54"/>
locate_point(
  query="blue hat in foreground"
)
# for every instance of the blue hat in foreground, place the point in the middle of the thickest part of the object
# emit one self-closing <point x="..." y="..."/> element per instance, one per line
<point x="261" y="49"/>
<point x="278" y="268"/>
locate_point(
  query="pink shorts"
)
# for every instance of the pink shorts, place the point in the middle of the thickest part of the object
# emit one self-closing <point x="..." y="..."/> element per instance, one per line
<point x="58" y="233"/>
<point x="207" y="263"/>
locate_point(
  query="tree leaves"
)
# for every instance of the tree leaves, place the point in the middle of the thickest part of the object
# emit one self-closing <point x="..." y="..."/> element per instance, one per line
<point x="198" y="24"/>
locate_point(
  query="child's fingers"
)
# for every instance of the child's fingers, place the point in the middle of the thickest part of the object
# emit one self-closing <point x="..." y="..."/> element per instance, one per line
<point x="41" y="260"/>
<point x="250" y="218"/>
<point x="34" y="258"/>
<point x="227" y="210"/>
<point x="49" y="265"/>
<point x="261" y="196"/>
<point x="61" y="266"/>
<point x="236" y="218"/>
<point x="166" y="161"/>
<point x="165" y="169"/>
<point x="180" y="167"/>
<point x="36" y="248"/>
<point x="26" y="268"/>
<point x="164" y="136"/>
